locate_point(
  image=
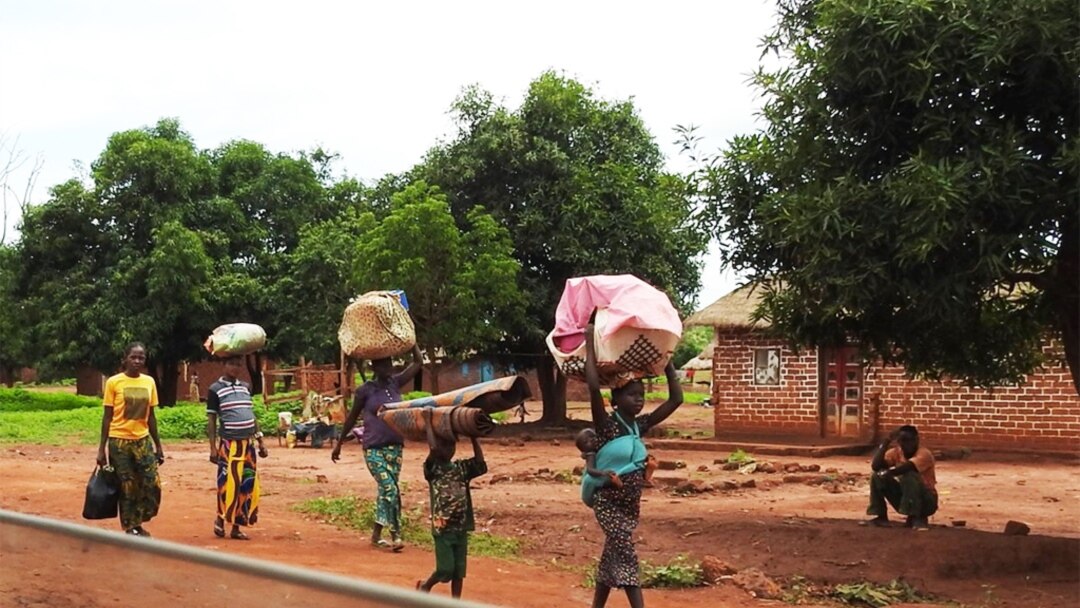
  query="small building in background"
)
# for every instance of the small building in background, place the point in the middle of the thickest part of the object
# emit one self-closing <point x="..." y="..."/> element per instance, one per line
<point x="762" y="388"/>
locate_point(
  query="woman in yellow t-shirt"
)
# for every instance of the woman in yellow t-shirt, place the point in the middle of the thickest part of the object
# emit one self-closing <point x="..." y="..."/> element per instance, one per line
<point x="127" y="427"/>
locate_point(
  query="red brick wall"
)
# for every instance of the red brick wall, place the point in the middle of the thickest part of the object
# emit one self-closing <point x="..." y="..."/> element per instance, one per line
<point x="740" y="406"/>
<point x="1041" y="414"/>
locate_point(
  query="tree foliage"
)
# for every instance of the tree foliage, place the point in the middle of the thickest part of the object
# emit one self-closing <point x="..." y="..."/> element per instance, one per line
<point x="461" y="283"/>
<point x="915" y="185"/>
<point x="579" y="183"/>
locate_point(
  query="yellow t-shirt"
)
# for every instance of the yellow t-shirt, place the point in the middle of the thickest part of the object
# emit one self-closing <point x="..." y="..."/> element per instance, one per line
<point x="131" y="400"/>
<point x="923" y="461"/>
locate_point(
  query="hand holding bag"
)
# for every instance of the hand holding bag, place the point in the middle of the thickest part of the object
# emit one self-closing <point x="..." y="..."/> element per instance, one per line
<point x="102" y="494"/>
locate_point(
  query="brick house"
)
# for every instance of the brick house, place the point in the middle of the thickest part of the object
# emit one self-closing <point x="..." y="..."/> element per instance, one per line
<point x="764" y="389"/>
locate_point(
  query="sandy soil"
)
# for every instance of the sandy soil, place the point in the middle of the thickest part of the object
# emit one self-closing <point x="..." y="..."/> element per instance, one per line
<point x="798" y="527"/>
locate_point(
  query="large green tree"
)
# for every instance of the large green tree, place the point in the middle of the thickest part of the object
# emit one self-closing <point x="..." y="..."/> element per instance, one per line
<point x="579" y="183"/>
<point x="169" y="242"/>
<point x="118" y="263"/>
<point x="15" y="343"/>
<point x="914" y="187"/>
<point x="461" y="282"/>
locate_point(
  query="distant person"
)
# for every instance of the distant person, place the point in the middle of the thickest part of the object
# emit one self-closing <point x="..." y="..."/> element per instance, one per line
<point x="618" y="507"/>
<point x="193" y="389"/>
<point x="229" y="406"/>
<point x="451" y="507"/>
<point x="383" y="445"/>
<point x="128" y="427"/>
<point x="903" y="476"/>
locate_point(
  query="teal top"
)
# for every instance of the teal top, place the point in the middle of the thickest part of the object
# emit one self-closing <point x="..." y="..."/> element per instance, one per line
<point x="623" y="454"/>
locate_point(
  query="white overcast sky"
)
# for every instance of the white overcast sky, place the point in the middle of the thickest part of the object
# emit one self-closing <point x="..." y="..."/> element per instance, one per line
<point x="371" y="81"/>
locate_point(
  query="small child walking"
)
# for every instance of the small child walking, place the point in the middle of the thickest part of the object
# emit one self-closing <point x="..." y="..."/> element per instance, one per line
<point x="451" y="507"/>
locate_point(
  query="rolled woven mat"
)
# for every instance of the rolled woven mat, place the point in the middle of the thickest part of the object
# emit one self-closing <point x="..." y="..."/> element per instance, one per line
<point x="448" y="422"/>
<point x="491" y="396"/>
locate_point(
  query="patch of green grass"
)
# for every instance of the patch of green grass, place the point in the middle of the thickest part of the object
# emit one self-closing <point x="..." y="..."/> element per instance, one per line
<point x="20" y="400"/>
<point x="678" y="573"/>
<point x="51" y="428"/>
<point x="872" y="594"/>
<point x="493" y="545"/>
<point x="688" y="397"/>
<point x="740" y="457"/>
<point x="566" y="476"/>
<point x="415" y="395"/>
<point x="55" y="421"/>
<point x="499" y="416"/>
<point x="352" y="513"/>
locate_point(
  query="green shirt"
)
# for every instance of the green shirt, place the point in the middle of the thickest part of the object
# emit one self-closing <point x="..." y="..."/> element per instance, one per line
<point x="451" y="503"/>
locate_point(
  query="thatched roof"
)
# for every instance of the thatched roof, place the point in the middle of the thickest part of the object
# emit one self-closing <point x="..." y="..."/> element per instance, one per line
<point x="731" y="311"/>
<point x="698" y="362"/>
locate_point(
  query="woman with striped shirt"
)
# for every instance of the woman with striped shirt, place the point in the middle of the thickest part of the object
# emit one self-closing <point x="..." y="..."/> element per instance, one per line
<point x="229" y="406"/>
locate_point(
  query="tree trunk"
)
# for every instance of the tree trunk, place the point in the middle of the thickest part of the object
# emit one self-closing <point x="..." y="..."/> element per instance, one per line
<point x="254" y="367"/>
<point x="552" y="391"/>
<point x="434" y="371"/>
<point x="1068" y="298"/>
<point x="167" y="383"/>
<point x="7" y="374"/>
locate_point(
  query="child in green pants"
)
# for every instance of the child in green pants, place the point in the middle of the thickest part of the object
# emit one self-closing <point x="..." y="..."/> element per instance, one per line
<point x="451" y="507"/>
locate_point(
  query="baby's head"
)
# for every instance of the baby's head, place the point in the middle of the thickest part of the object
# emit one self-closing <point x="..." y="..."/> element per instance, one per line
<point x="586" y="441"/>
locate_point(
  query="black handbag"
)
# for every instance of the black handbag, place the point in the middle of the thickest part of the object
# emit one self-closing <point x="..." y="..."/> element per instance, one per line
<point x="102" y="494"/>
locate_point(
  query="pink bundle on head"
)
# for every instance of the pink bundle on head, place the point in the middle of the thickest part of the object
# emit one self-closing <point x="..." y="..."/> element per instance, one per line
<point x="636" y="326"/>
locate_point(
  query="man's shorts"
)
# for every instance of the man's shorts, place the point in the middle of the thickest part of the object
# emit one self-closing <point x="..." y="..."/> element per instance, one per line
<point x="451" y="549"/>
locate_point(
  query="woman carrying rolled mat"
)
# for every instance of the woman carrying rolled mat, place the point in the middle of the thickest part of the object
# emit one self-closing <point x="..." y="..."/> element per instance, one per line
<point x="382" y="445"/>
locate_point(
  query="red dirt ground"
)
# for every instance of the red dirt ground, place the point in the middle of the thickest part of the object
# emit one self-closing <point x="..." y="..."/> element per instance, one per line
<point x="784" y="529"/>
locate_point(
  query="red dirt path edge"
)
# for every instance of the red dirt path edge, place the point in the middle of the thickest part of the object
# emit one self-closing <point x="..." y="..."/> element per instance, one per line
<point x="785" y="529"/>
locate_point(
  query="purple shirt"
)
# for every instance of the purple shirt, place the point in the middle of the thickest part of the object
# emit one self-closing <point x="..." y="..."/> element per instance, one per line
<point x="374" y="394"/>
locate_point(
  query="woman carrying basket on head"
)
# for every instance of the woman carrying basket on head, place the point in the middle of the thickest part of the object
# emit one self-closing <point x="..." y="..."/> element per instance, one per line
<point x="382" y="445"/>
<point x="618" y="505"/>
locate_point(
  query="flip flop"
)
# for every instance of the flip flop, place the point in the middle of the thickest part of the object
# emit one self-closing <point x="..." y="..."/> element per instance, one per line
<point x="219" y="528"/>
<point x="238" y="535"/>
<point x="381" y="544"/>
<point x="399" y="545"/>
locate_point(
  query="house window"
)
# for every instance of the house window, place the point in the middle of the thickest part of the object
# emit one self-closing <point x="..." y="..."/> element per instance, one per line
<point x="767" y="366"/>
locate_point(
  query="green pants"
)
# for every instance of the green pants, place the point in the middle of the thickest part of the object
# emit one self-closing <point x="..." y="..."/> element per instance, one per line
<point x="140" y="489"/>
<point x="451" y="552"/>
<point x="906" y="493"/>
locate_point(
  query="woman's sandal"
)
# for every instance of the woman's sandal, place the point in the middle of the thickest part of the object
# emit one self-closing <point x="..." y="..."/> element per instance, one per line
<point x="398" y="545"/>
<point x="382" y="543"/>
<point x="219" y="528"/>
<point x="238" y="535"/>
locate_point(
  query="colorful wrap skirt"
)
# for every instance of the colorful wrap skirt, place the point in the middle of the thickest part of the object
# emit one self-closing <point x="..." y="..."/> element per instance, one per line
<point x="238" y="482"/>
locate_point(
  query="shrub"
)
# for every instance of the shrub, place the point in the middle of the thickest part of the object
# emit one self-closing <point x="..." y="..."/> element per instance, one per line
<point x="20" y="400"/>
<point x="679" y="572"/>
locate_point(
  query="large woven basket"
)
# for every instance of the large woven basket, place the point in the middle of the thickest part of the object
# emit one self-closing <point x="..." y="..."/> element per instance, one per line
<point x="631" y="353"/>
<point x="376" y="325"/>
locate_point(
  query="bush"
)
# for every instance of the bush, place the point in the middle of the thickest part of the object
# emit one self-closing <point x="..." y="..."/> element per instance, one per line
<point x="19" y="400"/>
<point x="414" y="395"/>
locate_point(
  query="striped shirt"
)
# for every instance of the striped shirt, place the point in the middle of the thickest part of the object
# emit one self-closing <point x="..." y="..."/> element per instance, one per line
<point x="231" y="402"/>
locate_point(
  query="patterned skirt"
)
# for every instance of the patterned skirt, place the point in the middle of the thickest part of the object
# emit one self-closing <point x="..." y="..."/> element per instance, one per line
<point x="140" y="488"/>
<point x="238" y="482"/>
<point x="617" y="511"/>
<point x="385" y="466"/>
